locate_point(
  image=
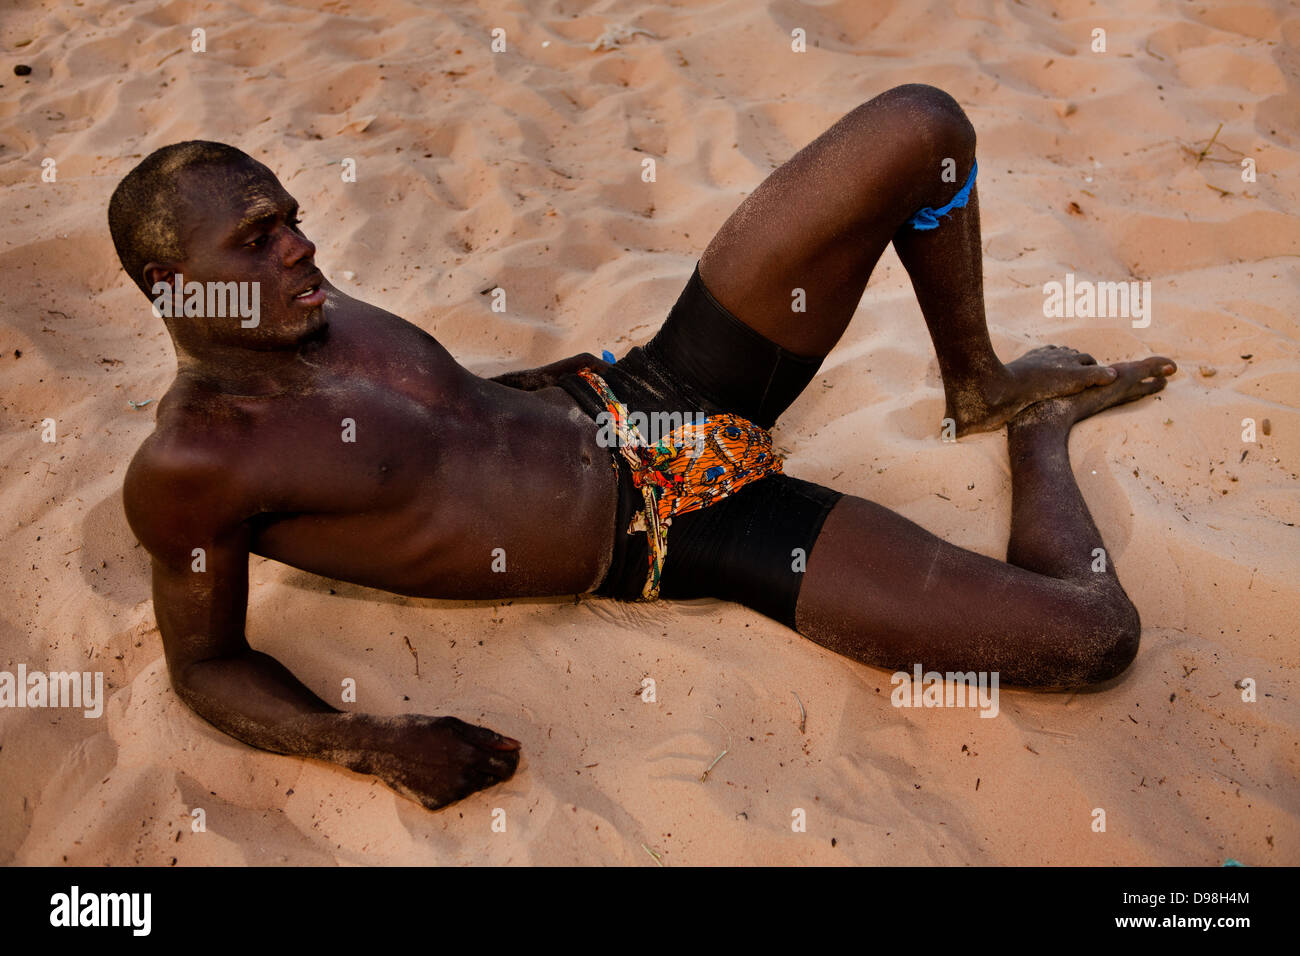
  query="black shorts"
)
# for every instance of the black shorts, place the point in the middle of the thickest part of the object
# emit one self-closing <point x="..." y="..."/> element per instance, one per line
<point x="752" y="546"/>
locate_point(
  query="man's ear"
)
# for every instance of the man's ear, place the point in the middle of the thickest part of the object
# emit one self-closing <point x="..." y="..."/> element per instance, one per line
<point x="155" y="272"/>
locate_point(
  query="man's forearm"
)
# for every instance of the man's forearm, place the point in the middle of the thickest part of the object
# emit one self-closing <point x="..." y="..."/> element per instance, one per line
<point x="432" y="760"/>
<point x="255" y="699"/>
<point x="530" y="380"/>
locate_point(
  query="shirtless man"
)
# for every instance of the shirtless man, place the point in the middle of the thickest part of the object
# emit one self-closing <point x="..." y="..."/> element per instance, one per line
<point x="249" y="455"/>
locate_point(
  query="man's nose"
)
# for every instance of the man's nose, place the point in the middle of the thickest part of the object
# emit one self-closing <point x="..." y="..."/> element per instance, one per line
<point x="298" y="247"/>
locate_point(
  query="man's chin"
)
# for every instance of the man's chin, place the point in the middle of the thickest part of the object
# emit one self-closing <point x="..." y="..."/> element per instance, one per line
<point x="291" y="332"/>
<point x="304" y="332"/>
<point x="317" y="330"/>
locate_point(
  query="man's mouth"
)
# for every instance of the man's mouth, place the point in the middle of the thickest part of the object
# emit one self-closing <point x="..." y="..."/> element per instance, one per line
<point x="313" y="295"/>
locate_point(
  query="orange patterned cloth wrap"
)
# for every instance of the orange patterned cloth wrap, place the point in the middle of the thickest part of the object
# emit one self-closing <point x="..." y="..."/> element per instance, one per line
<point x="694" y="466"/>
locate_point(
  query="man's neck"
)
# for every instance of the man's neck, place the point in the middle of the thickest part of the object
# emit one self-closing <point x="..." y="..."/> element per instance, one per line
<point x="251" y="372"/>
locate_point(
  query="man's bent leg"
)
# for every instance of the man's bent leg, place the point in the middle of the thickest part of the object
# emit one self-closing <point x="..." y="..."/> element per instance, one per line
<point x="793" y="261"/>
<point x="884" y="591"/>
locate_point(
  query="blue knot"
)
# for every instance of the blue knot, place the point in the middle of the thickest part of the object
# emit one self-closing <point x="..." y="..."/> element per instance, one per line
<point x="928" y="218"/>
<point x="608" y="356"/>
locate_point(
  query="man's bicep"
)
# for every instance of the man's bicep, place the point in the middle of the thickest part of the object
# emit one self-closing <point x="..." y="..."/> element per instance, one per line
<point x="201" y="600"/>
<point x="188" y="512"/>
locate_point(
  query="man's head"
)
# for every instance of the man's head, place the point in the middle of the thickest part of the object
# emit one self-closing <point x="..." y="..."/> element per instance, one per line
<point x="212" y="214"/>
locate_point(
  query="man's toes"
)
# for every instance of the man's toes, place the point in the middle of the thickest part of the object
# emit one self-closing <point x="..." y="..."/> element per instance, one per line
<point x="1099" y="374"/>
<point x="1157" y="365"/>
<point x="1155" y="385"/>
<point x="1145" y="377"/>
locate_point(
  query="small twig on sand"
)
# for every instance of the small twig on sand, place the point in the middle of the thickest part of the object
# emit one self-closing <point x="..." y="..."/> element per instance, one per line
<point x="1208" y="145"/>
<point x="413" y="654"/>
<point x="653" y="854"/>
<point x="803" y="714"/>
<point x="705" y="775"/>
<point x="1054" y="733"/>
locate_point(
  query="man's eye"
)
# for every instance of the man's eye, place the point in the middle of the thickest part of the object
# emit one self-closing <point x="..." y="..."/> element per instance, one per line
<point x="293" y="224"/>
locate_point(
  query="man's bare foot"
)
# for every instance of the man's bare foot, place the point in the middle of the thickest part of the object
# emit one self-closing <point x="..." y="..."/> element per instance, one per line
<point x="1133" y="380"/>
<point x="1036" y="376"/>
<point x="439" y="760"/>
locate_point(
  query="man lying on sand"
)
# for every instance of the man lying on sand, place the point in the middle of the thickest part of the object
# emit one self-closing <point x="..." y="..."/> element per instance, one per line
<point x="338" y="438"/>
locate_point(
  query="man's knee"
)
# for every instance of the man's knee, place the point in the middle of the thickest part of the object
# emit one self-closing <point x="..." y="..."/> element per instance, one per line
<point x="929" y="141"/>
<point x="936" y="119"/>
<point x="1109" y="640"/>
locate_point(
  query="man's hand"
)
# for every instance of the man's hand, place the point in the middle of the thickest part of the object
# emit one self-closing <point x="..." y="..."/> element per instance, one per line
<point x="438" y="760"/>
<point x="431" y="760"/>
<point x="530" y="380"/>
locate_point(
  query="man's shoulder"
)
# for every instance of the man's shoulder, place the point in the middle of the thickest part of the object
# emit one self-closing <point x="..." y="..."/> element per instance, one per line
<point x="185" y="479"/>
<point x="172" y="458"/>
<point x="191" y="432"/>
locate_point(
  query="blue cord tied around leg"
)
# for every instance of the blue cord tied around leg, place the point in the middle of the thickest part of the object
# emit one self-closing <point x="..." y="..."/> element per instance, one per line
<point x="928" y="218"/>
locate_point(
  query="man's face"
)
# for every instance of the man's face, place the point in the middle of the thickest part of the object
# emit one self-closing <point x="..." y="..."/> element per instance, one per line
<point x="239" y="225"/>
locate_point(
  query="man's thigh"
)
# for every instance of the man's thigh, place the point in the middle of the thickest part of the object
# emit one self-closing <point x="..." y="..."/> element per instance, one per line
<point x="794" y="258"/>
<point x="712" y="355"/>
<point x="751" y="547"/>
<point x="884" y="591"/>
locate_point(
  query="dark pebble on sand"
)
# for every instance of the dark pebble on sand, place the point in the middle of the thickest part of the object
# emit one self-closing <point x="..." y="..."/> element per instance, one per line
<point x="832" y="841"/>
<point x="22" y="69"/>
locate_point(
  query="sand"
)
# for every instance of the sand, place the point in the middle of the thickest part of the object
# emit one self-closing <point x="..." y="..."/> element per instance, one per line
<point x="474" y="166"/>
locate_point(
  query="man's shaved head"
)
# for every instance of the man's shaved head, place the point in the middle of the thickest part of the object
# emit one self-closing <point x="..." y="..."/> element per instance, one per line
<point x="146" y="210"/>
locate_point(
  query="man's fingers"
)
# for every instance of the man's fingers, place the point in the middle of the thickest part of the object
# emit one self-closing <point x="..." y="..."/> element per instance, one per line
<point x="482" y="737"/>
<point x="500" y="767"/>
